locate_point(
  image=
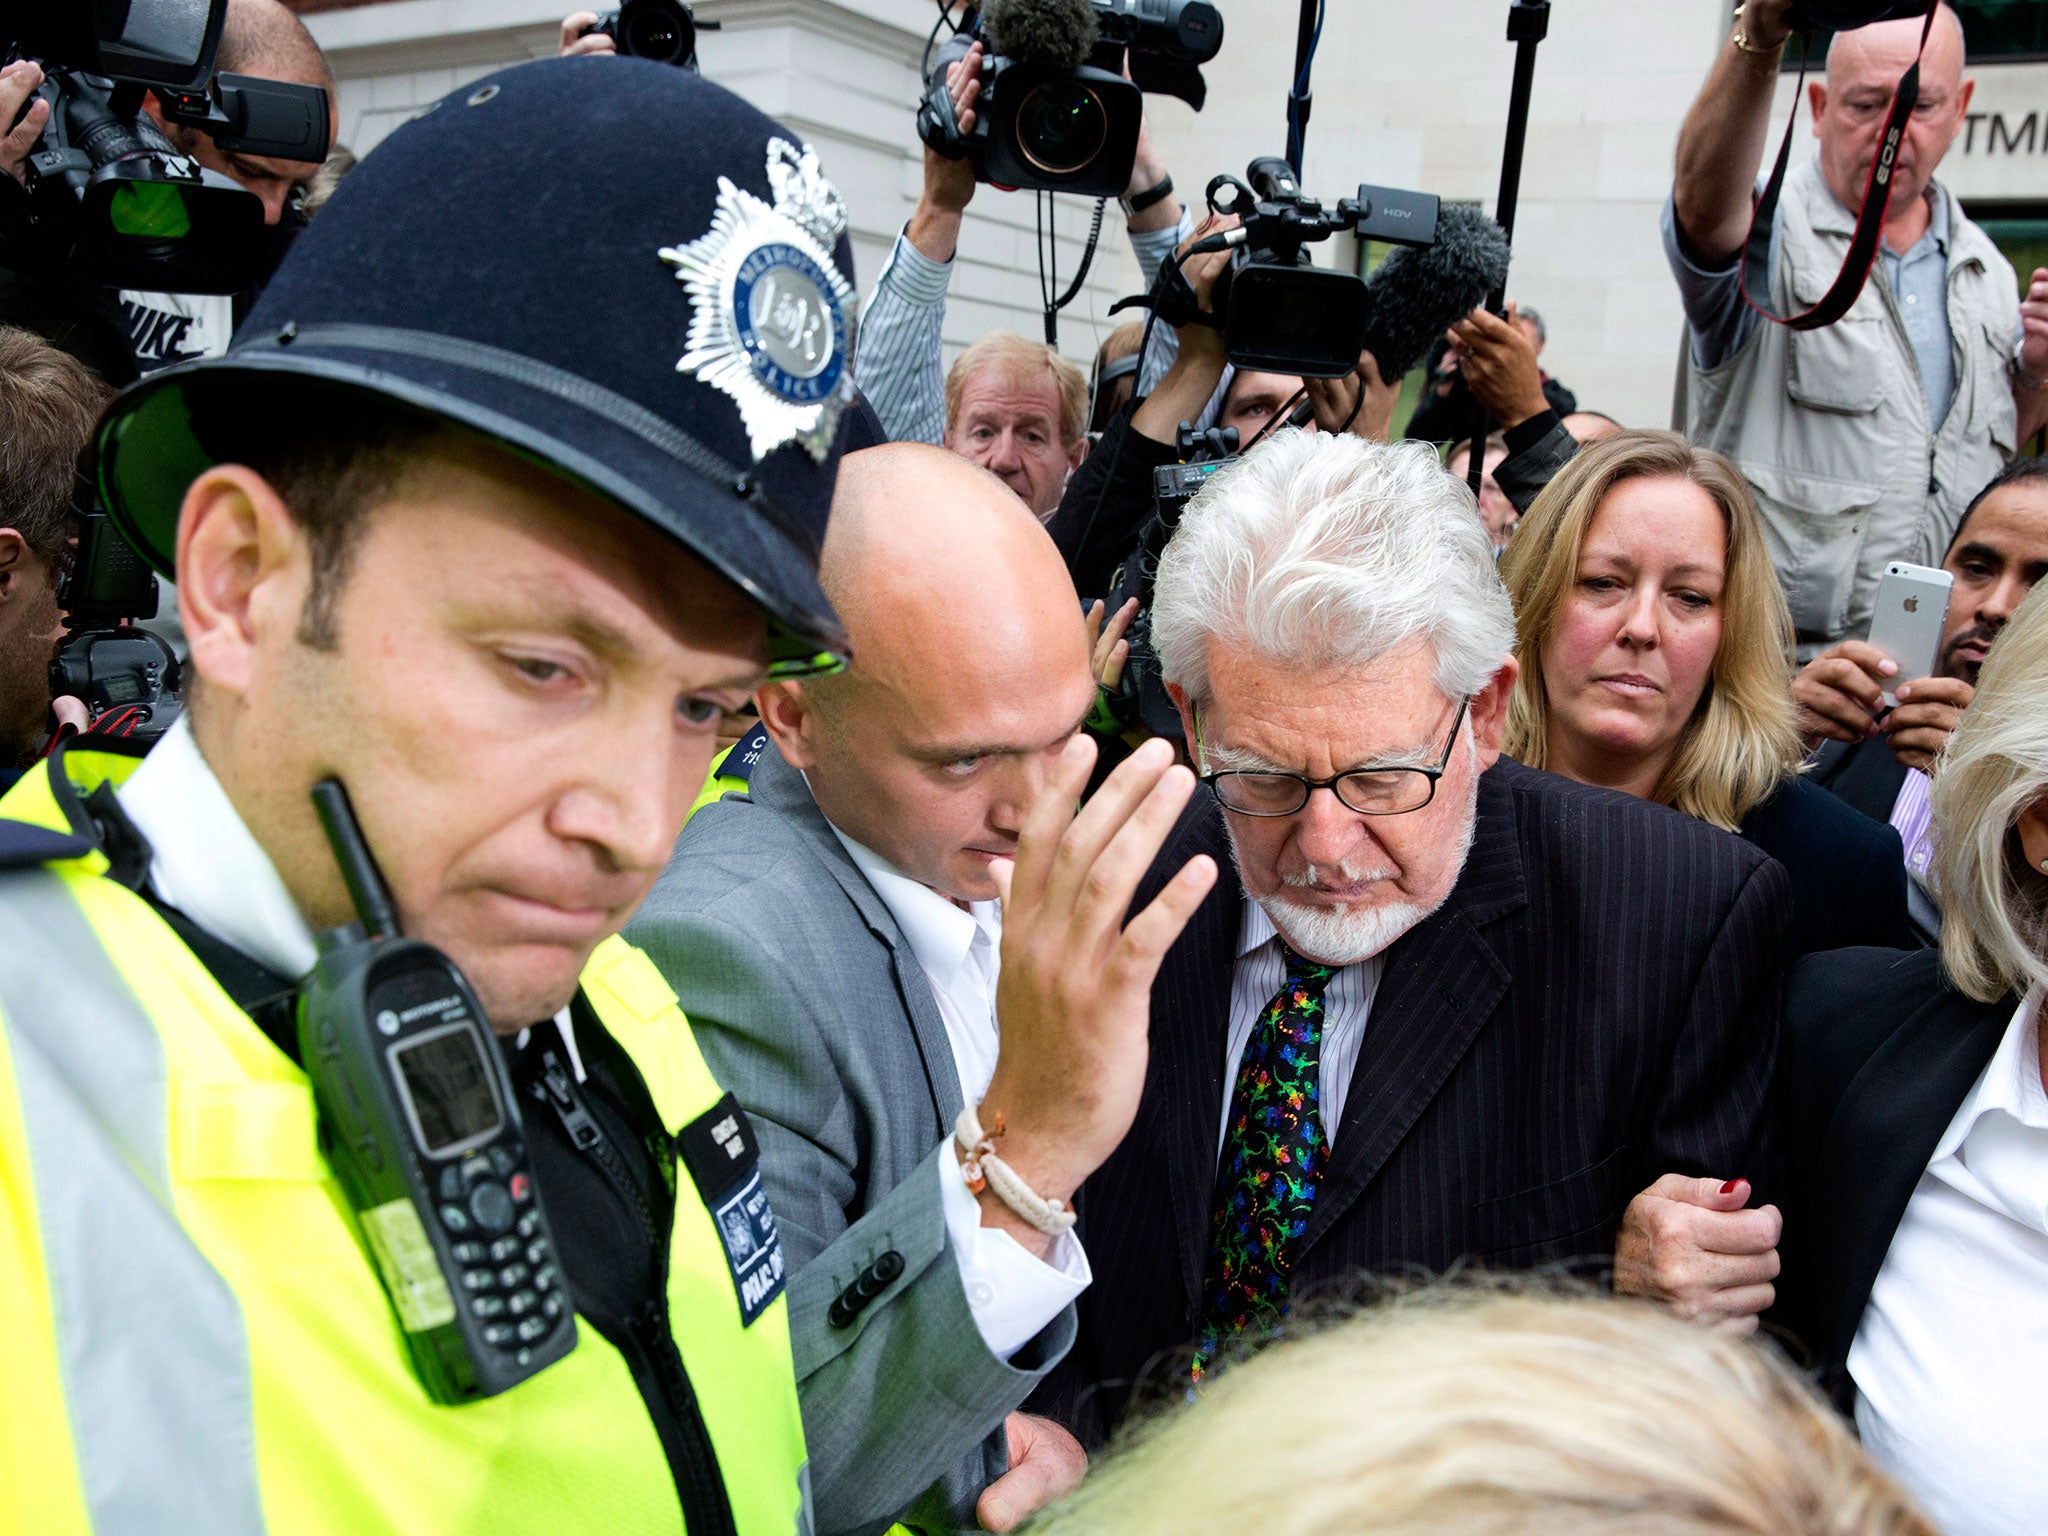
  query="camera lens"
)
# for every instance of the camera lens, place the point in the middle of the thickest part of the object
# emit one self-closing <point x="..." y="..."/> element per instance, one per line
<point x="1061" y="127"/>
<point x="652" y="36"/>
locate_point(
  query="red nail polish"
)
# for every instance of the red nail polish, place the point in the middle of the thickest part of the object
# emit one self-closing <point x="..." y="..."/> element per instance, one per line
<point x="1731" y="1186"/>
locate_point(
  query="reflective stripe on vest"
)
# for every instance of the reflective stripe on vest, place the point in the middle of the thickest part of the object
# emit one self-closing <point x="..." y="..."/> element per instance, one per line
<point x="161" y="1419"/>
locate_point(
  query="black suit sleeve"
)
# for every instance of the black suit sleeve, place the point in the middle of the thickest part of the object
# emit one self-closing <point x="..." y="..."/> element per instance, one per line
<point x="1106" y="503"/>
<point x="1708" y="1117"/>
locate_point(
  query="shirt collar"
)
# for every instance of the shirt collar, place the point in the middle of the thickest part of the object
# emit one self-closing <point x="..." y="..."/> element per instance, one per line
<point x="1255" y="930"/>
<point x="206" y="862"/>
<point x="2011" y="1085"/>
<point x="941" y="934"/>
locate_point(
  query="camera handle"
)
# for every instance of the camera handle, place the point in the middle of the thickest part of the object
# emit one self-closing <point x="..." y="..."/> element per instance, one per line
<point x="1528" y="25"/>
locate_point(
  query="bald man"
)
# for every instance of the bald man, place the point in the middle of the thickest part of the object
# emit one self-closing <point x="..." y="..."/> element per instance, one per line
<point x="836" y="939"/>
<point x="1864" y="441"/>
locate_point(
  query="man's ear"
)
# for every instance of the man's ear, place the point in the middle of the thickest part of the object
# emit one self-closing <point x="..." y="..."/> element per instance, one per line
<point x="1077" y="453"/>
<point x="244" y="573"/>
<point x="1186" y="706"/>
<point x="1490" y="712"/>
<point x="791" y="724"/>
<point x="1817" y="99"/>
<point x="15" y="559"/>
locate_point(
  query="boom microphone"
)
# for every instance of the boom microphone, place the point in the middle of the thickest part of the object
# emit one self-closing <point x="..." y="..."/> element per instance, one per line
<point x="1418" y="293"/>
<point x="1058" y="34"/>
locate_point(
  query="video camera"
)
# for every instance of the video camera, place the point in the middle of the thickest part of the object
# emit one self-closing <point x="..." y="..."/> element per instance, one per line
<point x="1055" y="112"/>
<point x="126" y="677"/>
<point x="662" y="30"/>
<point x="107" y="197"/>
<point x="1141" y="697"/>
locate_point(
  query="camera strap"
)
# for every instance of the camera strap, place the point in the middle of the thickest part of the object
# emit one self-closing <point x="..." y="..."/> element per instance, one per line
<point x="1877" y="201"/>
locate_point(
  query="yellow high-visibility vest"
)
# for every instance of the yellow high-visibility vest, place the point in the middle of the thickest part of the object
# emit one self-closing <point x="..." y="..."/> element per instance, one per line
<point x="191" y="1335"/>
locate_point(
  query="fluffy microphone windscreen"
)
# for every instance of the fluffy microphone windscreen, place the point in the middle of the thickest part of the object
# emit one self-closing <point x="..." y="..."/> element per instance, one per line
<point x="1417" y="294"/>
<point x="1055" y="33"/>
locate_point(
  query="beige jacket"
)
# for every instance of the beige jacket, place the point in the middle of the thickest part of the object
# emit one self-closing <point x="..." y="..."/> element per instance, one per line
<point x="1831" y="426"/>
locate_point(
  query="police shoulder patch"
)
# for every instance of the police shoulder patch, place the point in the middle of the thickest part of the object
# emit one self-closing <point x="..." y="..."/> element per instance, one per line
<point x="718" y="1148"/>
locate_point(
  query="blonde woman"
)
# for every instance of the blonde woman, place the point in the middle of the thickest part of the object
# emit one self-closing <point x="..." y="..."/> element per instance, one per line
<point x="1473" y="1411"/>
<point x="1656" y="659"/>
<point x="1916" y="1228"/>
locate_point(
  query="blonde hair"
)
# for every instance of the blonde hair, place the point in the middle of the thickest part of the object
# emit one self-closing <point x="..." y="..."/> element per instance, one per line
<point x="1741" y="742"/>
<point x="1994" y="903"/>
<point x="1496" y="1409"/>
<point x="1008" y="353"/>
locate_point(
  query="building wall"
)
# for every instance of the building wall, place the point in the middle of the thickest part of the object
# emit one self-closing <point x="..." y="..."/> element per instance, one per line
<point x="843" y="75"/>
<point x="1409" y="93"/>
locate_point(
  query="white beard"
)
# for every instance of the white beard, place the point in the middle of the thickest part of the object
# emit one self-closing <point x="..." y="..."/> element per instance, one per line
<point x="1345" y="935"/>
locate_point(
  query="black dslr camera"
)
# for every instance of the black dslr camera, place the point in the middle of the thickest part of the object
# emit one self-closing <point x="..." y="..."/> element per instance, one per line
<point x="1280" y="313"/>
<point x="126" y="677"/>
<point x="107" y="198"/>
<point x="662" y="30"/>
<point x="1055" y="112"/>
<point x="1141" y="697"/>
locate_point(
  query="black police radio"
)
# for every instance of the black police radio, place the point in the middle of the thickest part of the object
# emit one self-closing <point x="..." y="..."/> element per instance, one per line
<point x="421" y="1127"/>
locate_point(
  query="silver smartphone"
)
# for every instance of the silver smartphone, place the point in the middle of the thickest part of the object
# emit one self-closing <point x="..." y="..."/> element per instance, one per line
<point x="1912" y="607"/>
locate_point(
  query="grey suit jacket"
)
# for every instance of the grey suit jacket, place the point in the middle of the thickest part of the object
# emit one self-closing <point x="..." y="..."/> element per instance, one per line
<point x="811" y="1009"/>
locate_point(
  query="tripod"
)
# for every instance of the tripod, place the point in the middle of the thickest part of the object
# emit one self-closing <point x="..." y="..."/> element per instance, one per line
<point x="1528" y="25"/>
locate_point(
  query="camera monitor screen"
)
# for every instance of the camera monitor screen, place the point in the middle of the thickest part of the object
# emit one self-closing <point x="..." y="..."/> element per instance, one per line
<point x="170" y="42"/>
<point x="447" y="1087"/>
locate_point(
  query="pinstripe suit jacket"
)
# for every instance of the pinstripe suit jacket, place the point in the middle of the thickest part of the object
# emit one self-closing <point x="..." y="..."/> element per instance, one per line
<point x="1595" y="1005"/>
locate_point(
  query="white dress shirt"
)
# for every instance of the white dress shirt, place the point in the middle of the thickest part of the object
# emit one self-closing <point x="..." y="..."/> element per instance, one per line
<point x="1347" y="1004"/>
<point x="1951" y="1359"/>
<point x="1012" y="1293"/>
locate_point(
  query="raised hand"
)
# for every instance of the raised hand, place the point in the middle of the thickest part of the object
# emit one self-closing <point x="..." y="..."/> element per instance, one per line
<point x="1074" y="1000"/>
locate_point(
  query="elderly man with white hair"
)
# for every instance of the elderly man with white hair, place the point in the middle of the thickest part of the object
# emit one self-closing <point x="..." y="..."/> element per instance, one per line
<point x="1449" y="1009"/>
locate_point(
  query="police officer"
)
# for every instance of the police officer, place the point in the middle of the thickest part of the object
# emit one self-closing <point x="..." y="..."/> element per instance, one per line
<point x="512" y="486"/>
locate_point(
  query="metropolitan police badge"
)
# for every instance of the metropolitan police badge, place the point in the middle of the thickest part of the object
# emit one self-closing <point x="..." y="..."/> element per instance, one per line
<point x="772" y="320"/>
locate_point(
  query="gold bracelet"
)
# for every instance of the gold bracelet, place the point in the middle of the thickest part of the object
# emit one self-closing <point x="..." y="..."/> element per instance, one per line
<point x="1741" y="39"/>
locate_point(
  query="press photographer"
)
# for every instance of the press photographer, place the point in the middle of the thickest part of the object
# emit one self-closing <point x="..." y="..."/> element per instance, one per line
<point x="48" y="405"/>
<point x="1015" y="421"/>
<point x="156" y="179"/>
<point x="1862" y="439"/>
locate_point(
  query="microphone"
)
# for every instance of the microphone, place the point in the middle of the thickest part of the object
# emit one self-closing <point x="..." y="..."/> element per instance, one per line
<point x="1419" y="292"/>
<point x="1059" y="34"/>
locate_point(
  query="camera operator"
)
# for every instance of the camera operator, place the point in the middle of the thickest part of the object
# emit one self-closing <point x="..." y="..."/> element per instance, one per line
<point x="1863" y="440"/>
<point x="1444" y="414"/>
<point x="48" y="405"/>
<point x="898" y="364"/>
<point x="259" y="37"/>
<point x="1110" y="496"/>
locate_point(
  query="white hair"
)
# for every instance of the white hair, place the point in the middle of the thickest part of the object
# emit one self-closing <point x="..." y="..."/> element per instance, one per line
<point x="1324" y="551"/>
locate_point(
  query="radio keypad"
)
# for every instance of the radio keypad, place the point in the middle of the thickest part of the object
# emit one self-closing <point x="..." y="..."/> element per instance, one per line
<point x="520" y="1300"/>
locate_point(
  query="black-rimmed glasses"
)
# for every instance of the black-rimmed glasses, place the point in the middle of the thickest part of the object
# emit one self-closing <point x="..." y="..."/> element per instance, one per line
<point x="1368" y="791"/>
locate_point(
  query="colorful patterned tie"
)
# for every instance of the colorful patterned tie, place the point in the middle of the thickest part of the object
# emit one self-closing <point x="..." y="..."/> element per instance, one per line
<point x="1273" y="1150"/>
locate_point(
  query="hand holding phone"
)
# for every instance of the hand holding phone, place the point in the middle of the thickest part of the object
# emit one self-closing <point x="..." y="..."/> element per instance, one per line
<point x="1907" y="621"/>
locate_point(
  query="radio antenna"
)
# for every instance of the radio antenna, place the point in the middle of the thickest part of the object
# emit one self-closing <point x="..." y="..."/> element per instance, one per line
<point x="359" y="872"/>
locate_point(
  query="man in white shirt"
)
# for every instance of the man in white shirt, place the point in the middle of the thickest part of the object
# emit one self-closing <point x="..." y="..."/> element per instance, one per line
<point x="1877" y="758"/>
<point x="838" y="944"/>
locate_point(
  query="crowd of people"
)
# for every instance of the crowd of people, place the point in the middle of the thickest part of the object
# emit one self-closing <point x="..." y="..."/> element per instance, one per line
<point x="1425" y="1013"/>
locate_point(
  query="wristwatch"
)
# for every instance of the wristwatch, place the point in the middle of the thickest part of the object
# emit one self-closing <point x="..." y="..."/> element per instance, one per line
<point x="2022" y="377"/>
<point x="1151" y="196"/>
